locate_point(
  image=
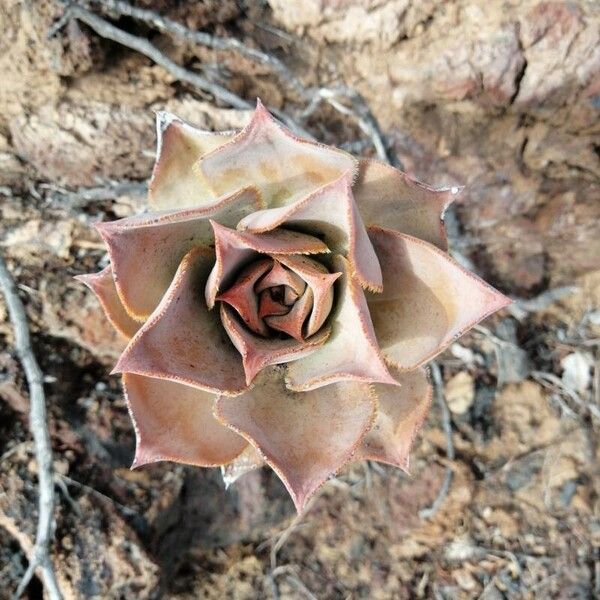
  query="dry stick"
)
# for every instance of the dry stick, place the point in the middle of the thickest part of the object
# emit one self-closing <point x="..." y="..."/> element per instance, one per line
<point x="40" y="557"/>
<point x="428" y="513"/>
<point x="360" y="111"/>
<point x="143" y="46"/>
<point x="166" y="25"/>
<point x="108" y="31"/>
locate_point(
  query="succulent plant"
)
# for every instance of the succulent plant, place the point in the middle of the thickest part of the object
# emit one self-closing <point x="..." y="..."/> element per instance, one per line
<point x="281" y="300"/>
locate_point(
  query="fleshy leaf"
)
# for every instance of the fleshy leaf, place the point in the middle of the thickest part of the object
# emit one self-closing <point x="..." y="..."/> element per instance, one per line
<point x="235" y="249"/>
<point x="428" y="299"/>
<point x="400" y="414"/>
<point x="176" y="181"/>
<point x="331" y="212"/>
<point x="279" y="275"/>
<point x="103" y="285"/>
<point x="351" y="352"/>
<point x="182" y="341"/>
<point x="176" y="422"/>
<point x="320" y="281"/>
<point x="282" y="165"/>
<point x="258" y="352"/>
<point x="242" y="297"/>
<point x="387" y="197"/>
<point x="145" y="250"/>
<point x="305" y="437"/>
<point x="293" y="322"/>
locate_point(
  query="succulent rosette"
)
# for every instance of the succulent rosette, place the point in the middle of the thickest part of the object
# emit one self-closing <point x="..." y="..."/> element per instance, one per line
<point x="281" y="300"/>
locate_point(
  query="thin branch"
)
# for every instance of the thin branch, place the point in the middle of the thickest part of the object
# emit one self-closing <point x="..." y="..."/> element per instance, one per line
<point x="359" y="110"/>
<point x="83" y="196"/>
<point x="108" y="31"/>
<point x="363" y="116"/>
<point x="40" y="557"/>
<point x="521" y="307"/>
<point x="438" y="390"/>
<point x="166" y="25"/>
<point x="143" y="46"/>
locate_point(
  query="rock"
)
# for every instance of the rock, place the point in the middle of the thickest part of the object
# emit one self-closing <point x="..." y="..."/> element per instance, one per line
<point x="460" y="393"/>
<point x="577" y="368"/>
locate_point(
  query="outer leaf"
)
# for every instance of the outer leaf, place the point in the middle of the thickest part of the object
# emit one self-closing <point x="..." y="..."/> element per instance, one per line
<point x="182" y="341"/>
<point x="103" y="285"/>
<point x="387" y="197"/>
<point x="305" y="437"/>
<point x="428" y="299"/>
<point x="145" y="250"/>
<point x="351" y="353"/>
<point x="331" y="212"/>
<point x="282" y="165"/>
<point x="236" y="249"/>
<point x="401" y="412"/>
<point x="258" y="352"/>
<point x="176" y="181"/>
<point x="175" y="422"/>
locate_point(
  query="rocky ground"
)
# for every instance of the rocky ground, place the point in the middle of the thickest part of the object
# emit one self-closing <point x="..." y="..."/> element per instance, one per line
<point x="502" y="97"/>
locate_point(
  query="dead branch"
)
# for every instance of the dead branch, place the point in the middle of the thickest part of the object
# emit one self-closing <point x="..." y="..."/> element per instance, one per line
<point x="85" y="195"/>
<point x="40" y="557"/>
<point x="166" y="25"/>
<point x="110" y="32"/>
<point x="521" y="307"/>
<point x="293" y="579"/>
<point x="554" y="383"/>
<point x="438" y="391"/>
<point x="358" y="110"/>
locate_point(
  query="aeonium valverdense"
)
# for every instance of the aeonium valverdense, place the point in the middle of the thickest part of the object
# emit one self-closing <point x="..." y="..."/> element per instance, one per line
<point x="280" y="303"/>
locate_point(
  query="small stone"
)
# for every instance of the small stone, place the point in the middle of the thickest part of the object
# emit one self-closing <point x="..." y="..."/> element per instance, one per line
<point x="577" y="371"/>
<point x="460" y="393"/>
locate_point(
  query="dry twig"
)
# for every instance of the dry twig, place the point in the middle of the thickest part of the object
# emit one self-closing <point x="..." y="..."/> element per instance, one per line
<point x="358" y="110"/>
<point x="438" y="391"/>
<point x="108" y="31"/>
<point x="40" y="557"/>
<point x="166" y="25"/>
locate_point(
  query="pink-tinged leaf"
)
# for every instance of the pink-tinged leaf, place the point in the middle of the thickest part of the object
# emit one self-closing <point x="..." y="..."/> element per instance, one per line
<point x="267" y="306"/>
<point x="428" y="300"/>
<point x="235" y="249"/>
<point x="320" y="281"/>
<point x="331" y="212"/>
<point x="176" y="422"/>
<point x="387" y="197"/>
<point x="279" y="275"/>
<point x="293" y="322"/>
<point x="258" y="352"/>
<point x="351" y="352"/>
<point x="103" y="285"/>
<point x="184" y="342"/>
<point x="176" y="181"/>
<point x="282" y="165"/>
<point x="247" y="461"/>
<point x="242" y="297"/>
<point x="145" y="250"/>
<point x="401" y="412"/>
<point x="305" y="437"/>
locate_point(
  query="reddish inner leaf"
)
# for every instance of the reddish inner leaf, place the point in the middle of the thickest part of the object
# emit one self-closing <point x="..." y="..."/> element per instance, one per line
<point x="275" y="301"/>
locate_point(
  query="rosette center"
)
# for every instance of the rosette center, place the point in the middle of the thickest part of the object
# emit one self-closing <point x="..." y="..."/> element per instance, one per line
<point x="287" y="296"/>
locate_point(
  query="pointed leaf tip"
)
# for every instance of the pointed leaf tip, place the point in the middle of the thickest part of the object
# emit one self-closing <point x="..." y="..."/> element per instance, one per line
<point x="305" y="437"/>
